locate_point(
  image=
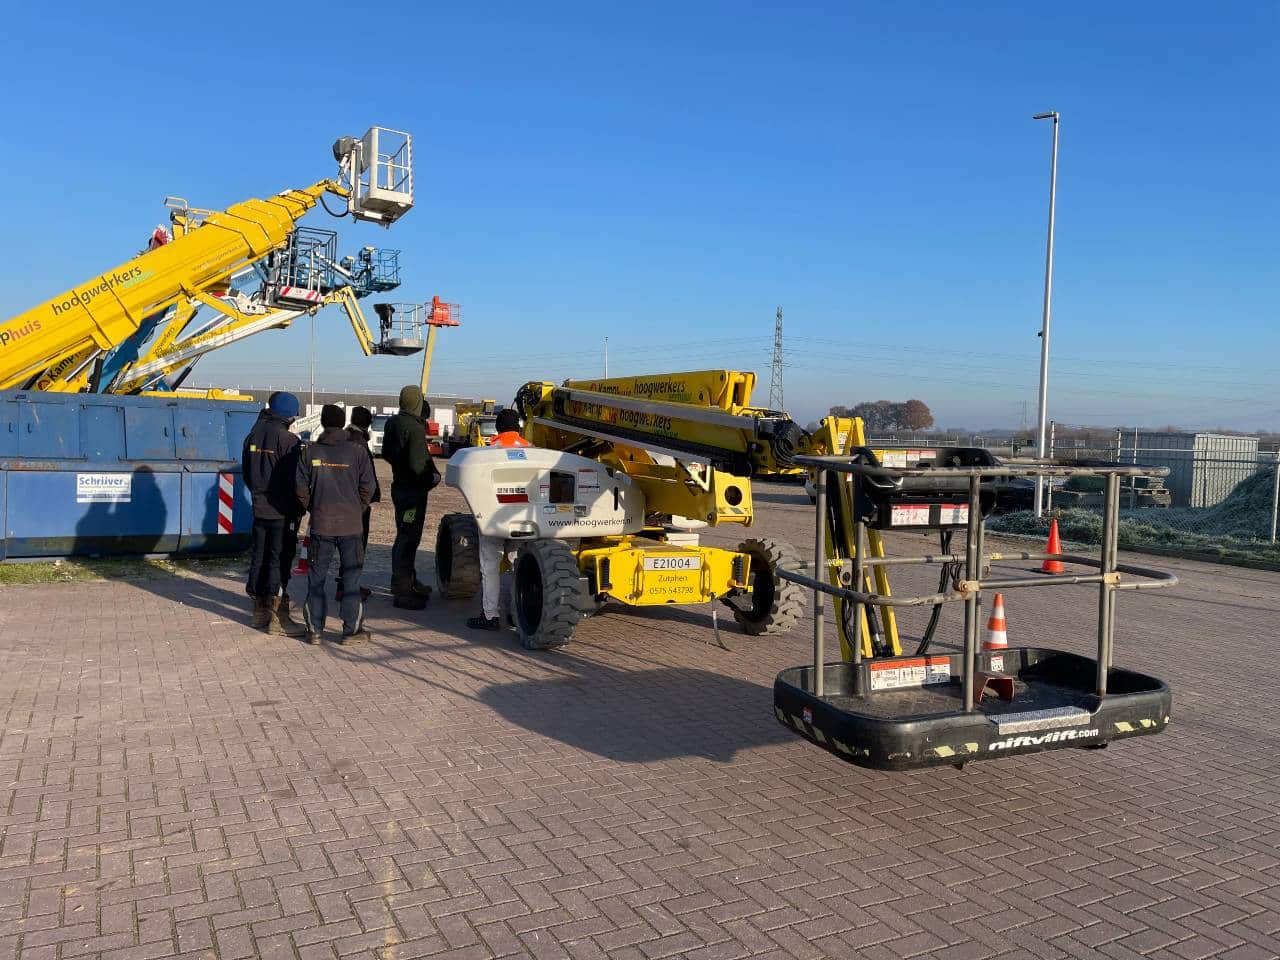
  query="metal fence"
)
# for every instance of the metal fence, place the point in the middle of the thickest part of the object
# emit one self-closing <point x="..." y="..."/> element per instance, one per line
<point x="1221" y="489"/>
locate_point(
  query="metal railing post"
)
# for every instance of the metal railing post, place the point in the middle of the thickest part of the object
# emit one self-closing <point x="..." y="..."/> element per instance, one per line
<point x="1106" y="590"/>
<point x="859" y="578"/>
<point x="1275" y="497"/>
<point x="972" y="572"/>
<point x="819" y="568"/>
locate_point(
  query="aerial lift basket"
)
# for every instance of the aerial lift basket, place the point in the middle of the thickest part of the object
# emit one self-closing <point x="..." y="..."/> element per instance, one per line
<point x="906" y="712"/>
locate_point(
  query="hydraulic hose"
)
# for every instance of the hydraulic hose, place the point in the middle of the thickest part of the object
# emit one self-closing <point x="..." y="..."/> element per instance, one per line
<point x="949" y="574"/>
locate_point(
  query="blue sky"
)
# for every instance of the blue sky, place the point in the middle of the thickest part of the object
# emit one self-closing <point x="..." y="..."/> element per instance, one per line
<point x="668" y="174"/>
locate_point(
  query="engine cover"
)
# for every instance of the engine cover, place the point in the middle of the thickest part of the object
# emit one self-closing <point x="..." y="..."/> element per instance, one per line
<point x="531" y="493"/>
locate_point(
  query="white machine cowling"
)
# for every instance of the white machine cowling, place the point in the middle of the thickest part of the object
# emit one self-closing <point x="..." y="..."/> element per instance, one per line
<point x="528" y="493"/>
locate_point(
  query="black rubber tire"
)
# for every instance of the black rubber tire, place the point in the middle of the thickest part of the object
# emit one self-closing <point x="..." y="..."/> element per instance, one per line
<point x="776" y="604"/>
<point x="458" y="556"/>
<point x="546" y="595"/>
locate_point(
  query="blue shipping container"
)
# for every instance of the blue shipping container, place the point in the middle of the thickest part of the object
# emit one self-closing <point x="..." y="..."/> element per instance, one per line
<point x="91" y="475"/>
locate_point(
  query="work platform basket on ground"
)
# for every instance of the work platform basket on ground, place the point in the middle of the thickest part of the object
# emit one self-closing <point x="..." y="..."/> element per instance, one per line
<point x="904" y="712"/>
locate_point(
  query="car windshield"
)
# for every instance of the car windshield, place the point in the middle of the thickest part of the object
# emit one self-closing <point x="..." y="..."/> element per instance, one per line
<point x="380" y="422"/>
<point x="488" y="428"/>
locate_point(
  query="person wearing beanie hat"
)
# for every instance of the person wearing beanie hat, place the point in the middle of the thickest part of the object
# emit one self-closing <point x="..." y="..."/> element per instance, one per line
<point x="335" y="481"/>
<point x="358" y="432"/>
<point x="268" y="461"/>
<point x="283" y="405"/>
<point x="413" y="474"/>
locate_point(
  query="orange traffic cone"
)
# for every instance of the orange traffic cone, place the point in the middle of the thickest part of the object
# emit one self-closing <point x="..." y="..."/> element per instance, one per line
<point x="1055" y="546"/>
<point x="996" y="643"/>
<point x="997" y="635"/>
<point x="303" y="566"/>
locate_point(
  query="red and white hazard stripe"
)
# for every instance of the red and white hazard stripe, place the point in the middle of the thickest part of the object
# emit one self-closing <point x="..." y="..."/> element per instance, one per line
<point x="226" y="501"/>
<point x="299" y="293"/>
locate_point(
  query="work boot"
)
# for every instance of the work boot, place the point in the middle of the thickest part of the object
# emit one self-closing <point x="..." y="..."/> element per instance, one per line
<point x="310" y="636"/>
<point x="484" y="623"/>
<point x="261" y="613"/>
<point x="420" y="588"/>
<point x="410" y="601"/>
<point x="281" y="619"/>
<point x="352" y="639"/>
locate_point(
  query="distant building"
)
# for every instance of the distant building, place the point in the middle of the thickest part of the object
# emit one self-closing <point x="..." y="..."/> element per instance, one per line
<point x="441" y="404"/>
<point x="1203" y="467"/>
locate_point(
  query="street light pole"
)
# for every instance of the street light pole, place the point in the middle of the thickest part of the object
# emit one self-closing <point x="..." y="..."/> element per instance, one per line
<point x="1042" y="450"/>
<point x="606" y="358"/>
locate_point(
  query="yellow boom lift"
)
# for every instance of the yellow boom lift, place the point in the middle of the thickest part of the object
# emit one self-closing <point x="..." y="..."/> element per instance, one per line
<point x="73" y="341"/>
<point x="688" y="443"/>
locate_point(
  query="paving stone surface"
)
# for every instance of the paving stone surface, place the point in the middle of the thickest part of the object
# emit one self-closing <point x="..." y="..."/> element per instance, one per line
<point x="173" y="783"/>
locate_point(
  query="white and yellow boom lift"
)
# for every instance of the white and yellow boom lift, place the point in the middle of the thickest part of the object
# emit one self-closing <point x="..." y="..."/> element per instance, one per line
<point x="608" y="504"/>
<point x="67" y="341"/>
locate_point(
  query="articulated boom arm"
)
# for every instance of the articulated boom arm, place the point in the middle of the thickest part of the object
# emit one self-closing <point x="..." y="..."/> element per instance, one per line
<point x="702" y="422"/>
<point x="52" y="345"/>
<point x="110" y="307"/>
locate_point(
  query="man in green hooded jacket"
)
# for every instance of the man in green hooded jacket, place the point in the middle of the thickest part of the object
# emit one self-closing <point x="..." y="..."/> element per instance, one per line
<point x="413" y="474"/>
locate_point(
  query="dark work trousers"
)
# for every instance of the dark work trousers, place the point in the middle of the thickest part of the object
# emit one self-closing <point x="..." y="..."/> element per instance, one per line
<point x="288" y="553"/>
<point x="350" y="553"/>
<point x="411" y="511"/>
<point x="265" y="564"/>
<point x="364" y="542"/>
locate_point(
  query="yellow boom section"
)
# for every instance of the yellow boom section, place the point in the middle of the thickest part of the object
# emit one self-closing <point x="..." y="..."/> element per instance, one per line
<point x="107" y="309"/>
<point x="727" y="390"/>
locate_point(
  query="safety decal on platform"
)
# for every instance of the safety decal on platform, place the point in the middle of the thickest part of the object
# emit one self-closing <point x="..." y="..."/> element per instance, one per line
<point x="916" y="672"/>
<point x="909" y="515"/>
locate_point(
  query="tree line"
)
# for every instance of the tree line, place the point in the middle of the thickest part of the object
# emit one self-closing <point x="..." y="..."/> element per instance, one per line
<point x="880" y="415"/>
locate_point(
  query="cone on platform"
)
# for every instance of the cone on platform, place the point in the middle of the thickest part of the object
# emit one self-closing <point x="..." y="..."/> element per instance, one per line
<point x="1054" y="547"/>
<point x="996" y="644"/>
<point x="997" y="635"/>
<point x="303" y="566"/>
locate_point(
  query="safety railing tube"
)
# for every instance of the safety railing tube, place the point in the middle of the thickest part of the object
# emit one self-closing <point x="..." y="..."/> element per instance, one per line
<point x="851" y="588"/>
<point x="819" y="567"/>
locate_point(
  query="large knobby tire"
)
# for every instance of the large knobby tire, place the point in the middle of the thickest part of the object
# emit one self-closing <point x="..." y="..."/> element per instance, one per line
<point x="547" y="600"/>
<point x="776" y="604"/>
<point x="458" y="556"/>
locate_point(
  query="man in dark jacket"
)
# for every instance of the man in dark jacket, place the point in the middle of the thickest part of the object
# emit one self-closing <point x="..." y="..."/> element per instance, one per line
<point x="413" y="474"/>
<point x="269" y="460"/>
<point x="358" y="432"/>
<point x="335" y="481"/>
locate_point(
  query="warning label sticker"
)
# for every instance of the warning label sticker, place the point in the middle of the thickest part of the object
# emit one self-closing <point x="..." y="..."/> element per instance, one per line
<point x="910" y="515"/>
<point x="953" y="513"/>
<point x="916" y="672"/>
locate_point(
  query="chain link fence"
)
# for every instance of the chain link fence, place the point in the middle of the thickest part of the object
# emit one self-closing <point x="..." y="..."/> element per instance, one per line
<point x="1220" y="500"/>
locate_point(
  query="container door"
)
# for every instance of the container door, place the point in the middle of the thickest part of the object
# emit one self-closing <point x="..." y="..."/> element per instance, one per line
<point x="148" y="432"/>
<point x="8" y="428"/>
<point x="202" y="434"/>
<point x="49" y="431"/>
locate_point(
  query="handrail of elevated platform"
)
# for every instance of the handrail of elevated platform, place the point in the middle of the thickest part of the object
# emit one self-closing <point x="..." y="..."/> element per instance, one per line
<point x="1108" y="578"/>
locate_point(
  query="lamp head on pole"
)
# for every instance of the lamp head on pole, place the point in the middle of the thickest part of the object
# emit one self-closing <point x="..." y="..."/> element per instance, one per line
<point x="1051" y="115"/>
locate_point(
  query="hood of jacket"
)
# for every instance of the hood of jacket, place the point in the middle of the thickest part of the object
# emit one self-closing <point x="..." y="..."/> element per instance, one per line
<point x="333" y="435"/>
<point x="411" y="401"/>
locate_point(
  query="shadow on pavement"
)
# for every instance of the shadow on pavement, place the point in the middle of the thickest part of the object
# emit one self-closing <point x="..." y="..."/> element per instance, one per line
<point x="642" y="716"/>
<point x="798" y="498"/>
<point x="651" y="713"/>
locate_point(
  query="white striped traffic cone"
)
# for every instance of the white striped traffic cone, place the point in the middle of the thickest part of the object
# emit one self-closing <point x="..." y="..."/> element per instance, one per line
<point x="996" y="643"/>
<point x="997" y="636"/>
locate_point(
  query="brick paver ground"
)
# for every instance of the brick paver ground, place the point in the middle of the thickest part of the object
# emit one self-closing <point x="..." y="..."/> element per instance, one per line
<point x="174" y="784"/>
